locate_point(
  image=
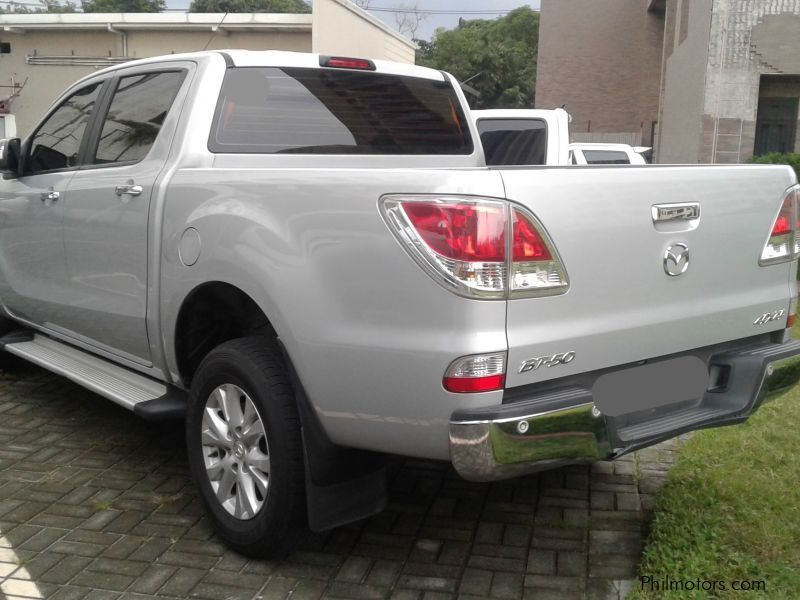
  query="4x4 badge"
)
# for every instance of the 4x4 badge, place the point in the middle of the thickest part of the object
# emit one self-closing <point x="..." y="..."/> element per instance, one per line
<point x="676" y="260"/>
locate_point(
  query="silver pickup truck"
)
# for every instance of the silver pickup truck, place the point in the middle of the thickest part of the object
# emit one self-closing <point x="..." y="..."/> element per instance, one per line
<point x="307" y="259"/>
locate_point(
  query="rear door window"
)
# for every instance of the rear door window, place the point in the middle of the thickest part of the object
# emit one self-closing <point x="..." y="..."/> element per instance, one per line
<point x="513" y="141"/>
<point x="606" y="157"/>
<point x="324" y="111"/>
<point x="135" y="116"/>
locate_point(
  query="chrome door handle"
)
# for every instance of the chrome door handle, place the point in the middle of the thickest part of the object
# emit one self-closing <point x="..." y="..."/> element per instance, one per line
<point x="128" y="190"/>
<point x="49" y="196"/>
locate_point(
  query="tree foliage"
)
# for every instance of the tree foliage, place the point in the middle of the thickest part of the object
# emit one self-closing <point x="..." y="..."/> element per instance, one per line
<point x="259" y="6"/>
<point x="497" y="56"/>
<point x="132" y="6"/>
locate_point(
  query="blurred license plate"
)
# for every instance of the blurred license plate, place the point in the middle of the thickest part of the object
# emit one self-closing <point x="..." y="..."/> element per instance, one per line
<point x="651" y="386"/>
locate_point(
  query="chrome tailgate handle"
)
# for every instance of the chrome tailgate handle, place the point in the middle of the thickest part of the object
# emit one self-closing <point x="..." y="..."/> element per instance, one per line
<point x="685" y="211"/>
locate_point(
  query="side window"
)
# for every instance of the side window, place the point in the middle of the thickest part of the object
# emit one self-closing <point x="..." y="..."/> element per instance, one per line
<point x="137" y="111"/>
<point x="56" y="144"/>
<point x="513" y="141"/>
<point x="606" y="157"/>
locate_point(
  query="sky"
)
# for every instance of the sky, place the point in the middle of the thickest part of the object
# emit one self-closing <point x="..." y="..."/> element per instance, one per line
<point x="431" y="22"/>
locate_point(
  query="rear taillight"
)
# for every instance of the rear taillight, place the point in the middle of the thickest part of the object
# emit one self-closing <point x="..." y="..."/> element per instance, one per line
<point x="477" y="373"/>
<point x="784" y="239"/>
<point x="470" y="245"/>
<point x="536" y="270"/>
<point x="792" y="313"/>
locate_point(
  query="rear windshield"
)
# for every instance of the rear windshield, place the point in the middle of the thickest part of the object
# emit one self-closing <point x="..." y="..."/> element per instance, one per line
<point x="513" y="141"/>
<point x="270" y="110"/>
<point x="606" y="157"/>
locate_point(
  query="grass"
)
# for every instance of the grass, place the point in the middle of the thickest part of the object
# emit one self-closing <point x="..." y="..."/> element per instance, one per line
<point x="731" y="508"/>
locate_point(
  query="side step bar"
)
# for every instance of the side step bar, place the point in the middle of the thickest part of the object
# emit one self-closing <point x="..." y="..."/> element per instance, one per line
<point x="150" y="399"/>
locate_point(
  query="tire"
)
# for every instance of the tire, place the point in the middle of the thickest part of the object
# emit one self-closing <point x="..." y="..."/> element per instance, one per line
<point x="254" y="519"/>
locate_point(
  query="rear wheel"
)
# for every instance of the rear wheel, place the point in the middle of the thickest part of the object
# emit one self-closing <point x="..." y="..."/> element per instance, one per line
<point x="244" y="447"/>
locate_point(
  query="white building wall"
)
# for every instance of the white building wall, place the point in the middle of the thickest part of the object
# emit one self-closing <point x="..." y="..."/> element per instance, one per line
<point x="340" y="27"/>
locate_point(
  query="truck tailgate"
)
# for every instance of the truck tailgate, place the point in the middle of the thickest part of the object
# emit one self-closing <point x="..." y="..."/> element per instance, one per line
<point x="622" y="306"/>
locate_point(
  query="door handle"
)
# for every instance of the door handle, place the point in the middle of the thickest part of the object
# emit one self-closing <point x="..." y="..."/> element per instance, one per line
<point x="128" y="190"/>
<point x="49" y="196"/>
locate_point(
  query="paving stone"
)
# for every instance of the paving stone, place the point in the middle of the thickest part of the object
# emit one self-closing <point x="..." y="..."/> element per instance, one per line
<point x="279" y="587"/>
<point x="309" y="590"/>
<point x="339" y="589"/>
<point x="65" y="569"/>
<point x="476" y="581"/>
<point x="182" y="581"/>
<point x="542" y="562"/>
<point x="354" y="569"/>
<point x="384" y="573"/>
<point x="506" y="585"/>
<point x="571" y="564"/>
<point x="99" y="505"/>
<point x="615" y="542"/>
<point x="427" y="583"/>
<point x="104" y="581"/>
<point x="152" y="579"/>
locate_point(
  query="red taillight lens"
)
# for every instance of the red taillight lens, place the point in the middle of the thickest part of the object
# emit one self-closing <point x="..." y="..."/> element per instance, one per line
<point x="341" y="62"/>
<point x="466" y="232"/>
<point x="463" y="243"/>
<point x="782" y="225"/>
<point x="784" y="240"/>
<point x="476" y="373"/>
<point x="528" y="244"/>
<point x="489" y="383"/>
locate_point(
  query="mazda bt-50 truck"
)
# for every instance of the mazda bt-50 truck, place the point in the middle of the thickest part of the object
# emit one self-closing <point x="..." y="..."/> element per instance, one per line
<point x="307" y="258"/>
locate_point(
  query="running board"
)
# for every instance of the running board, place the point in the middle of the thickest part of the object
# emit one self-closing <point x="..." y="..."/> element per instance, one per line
<point x="150" y="399"/>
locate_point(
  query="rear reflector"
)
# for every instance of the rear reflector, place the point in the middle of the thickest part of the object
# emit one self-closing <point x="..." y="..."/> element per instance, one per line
<point x="476" y="373"/>
<point x="792" y="313"/>
<point x="342" y="62"/>
<point x="463" y="243"/>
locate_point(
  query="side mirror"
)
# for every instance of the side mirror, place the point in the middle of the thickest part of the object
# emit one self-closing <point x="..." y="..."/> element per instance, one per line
<point x="10" y="152"/>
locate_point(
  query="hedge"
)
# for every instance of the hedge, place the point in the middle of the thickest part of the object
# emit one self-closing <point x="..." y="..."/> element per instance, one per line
<point x="776" y="158"/>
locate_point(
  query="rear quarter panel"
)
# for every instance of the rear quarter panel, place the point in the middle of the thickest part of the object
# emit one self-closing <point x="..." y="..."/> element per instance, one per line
<point x="369" y="332"/>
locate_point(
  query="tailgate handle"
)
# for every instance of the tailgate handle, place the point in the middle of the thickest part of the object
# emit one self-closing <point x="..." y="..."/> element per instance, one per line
<point x="685" y="211"/>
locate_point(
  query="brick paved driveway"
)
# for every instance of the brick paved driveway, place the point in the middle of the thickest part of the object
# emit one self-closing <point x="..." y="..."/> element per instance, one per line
<point x="96" y="504"/>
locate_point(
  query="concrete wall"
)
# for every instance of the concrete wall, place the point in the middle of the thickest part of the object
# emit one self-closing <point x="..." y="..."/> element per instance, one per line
<point x="747" y="39"/>
<point x="602" y="58"/>
<point x="683" y="80"/>
<point x="46" y="82"/>
<point x="366" y="36"/>
<point x="335" y="27"/>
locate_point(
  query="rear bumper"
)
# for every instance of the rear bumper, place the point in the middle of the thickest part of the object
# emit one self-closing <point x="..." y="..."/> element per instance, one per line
<point x="563" y="426"/>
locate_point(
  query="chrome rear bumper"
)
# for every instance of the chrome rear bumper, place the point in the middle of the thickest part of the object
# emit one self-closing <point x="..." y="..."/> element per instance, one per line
<point x="518" y="438"/>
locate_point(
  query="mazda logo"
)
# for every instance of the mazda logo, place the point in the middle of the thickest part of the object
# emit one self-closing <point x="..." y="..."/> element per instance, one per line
<point x="676" y="260"/>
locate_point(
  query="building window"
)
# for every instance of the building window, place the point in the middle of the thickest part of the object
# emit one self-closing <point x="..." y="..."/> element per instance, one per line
<point x="776" y="125"/>
<point x="5" y="47"/>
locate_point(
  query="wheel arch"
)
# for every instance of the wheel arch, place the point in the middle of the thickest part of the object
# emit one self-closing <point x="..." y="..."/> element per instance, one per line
<point x="212" y="313"/>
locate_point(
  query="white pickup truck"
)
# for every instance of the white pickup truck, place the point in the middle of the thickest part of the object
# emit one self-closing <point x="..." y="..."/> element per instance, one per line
<point x="530" y="137"/>
<point x="308" y="259"/>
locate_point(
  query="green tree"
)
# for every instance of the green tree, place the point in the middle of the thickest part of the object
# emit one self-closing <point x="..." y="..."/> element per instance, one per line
<point x="259" y="6"/>
<point x="133" y="6"/>
<point x="497" y="56"/>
